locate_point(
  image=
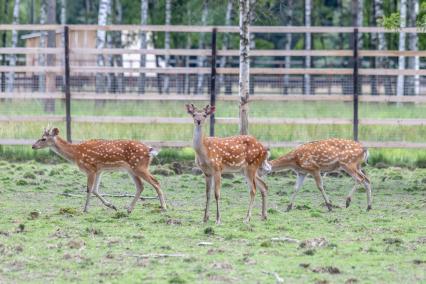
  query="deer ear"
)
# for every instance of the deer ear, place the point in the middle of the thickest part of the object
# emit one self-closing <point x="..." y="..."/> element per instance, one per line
<point x="209" y="109"/>
<point x="190" y="108"/>
<point x="54" y="132"/>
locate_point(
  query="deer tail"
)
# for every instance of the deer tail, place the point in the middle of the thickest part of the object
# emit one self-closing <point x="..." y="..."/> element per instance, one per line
<point x="366" y="154"/>
<point x="153" y="152"/>
<point x="266" y="167"/>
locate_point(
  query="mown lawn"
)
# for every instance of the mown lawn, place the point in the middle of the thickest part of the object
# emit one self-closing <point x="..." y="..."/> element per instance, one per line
<point x="45" y="237"/>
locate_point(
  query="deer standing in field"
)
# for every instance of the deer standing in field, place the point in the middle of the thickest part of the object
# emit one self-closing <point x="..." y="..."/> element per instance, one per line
<point x="325" y="156"/>
<point x="96" y="156"/>
<point x="242" y="153"/>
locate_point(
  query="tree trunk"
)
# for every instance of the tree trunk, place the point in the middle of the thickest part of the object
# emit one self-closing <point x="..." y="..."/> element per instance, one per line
<point x="307" y="78"/>
<point x="167" y="44"/>
<point x="4" y="44"/>
<point x="104" y="7"/>
<point x="288" y="37"/>
<point x="225" y="45"/>
<point x="12" y="58"/>
<point x="63" y="19"/>
<point x="118" y="59"/>
<point x="109" y="58"/>
<point x="401" y="59"/>
<point x="413" y="62"/>
<point x="201" y="59"/>
<point x="382" y="62"/>
<point x="42" y="44"/>
<point x="252" y="44"/>
<point x="51" y="42"/>
<point x="144" y="21"/>
<point x="244" y="80"/>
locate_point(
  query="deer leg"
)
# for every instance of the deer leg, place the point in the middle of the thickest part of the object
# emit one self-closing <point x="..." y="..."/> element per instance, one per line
<point x="299" y="183"/>
<point x="250" y="178"/>
<point x="356" y="173"/>
<point x="349" y="198"/>
<point x="209" y="181"/>
<point x="318" y="181"/>
<point x="96" y="193"/>
<point x="264" y="192"/>
<point x="139" y="188"/>
<point x="154" y="182"/>
<point x="217" y="182"/>
<point x="90" y="182"/>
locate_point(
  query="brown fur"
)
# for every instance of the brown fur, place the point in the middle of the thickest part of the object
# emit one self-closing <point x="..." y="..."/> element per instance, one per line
<point x="96" y="156"/>
<point x="242" y="153"/>
<point x="322" y="156"/>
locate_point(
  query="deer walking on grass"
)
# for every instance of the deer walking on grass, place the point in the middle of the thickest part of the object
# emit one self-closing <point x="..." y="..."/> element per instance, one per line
<point x="242" y="153"/>
<point x="96" y="156"/>
<point x="325" y="156"/>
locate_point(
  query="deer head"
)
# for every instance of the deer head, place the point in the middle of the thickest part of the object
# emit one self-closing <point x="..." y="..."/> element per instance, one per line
<point x="47" y="139"/>
<point x="200" y="116"/>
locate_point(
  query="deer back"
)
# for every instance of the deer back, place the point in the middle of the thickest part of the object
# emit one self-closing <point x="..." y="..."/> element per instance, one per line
<point x="101" y="154"/>
<point x="235" y="151"/>
<point x="329" y="153"/>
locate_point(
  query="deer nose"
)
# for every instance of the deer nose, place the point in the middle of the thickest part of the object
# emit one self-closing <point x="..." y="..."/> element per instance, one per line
<point x="33" y="146"/>
<point x="198" y="122"/>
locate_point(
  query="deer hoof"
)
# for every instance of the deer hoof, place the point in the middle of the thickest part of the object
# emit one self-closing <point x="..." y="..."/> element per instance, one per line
<point x="329" y="206"/>
<point x="218" y="222"/>
<point x="113" y="207"/>
<point x="289" y="207"/>
<point x="206" y="219"/>
<point x="369" y="208"/>
<point x="264" y="218"/>
<point x="348" y="202"/>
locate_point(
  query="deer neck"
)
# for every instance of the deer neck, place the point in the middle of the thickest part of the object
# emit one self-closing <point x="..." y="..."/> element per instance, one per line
<point x="198" y="142"/>
<point x="64" y="149"/>
<point x="284" y="162"/>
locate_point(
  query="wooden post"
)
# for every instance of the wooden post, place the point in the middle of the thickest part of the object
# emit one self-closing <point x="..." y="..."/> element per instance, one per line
<point x="67" y="83"/>
<point x="355" y="83"/>
<point x="213" y="80"/>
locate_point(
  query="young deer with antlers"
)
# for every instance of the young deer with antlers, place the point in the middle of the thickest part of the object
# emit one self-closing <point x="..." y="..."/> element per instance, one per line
<point x="326" y="156"/>
<point x="214" y="156"/>
<point x="96" y="156"/>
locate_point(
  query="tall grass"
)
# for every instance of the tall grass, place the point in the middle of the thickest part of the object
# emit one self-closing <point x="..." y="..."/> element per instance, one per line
<point x="179" y="132"/>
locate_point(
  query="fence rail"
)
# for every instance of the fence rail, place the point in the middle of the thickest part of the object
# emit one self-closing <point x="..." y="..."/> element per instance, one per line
<point x="60" y="78"/>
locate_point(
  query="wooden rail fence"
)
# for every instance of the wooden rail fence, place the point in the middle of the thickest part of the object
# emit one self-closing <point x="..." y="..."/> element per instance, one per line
<point x="213" y="53"/>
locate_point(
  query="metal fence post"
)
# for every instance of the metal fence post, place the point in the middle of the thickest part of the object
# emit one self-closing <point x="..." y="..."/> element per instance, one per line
<point x="355" y="83"/>
<point x="67" y="83"/>
<point x="213" y="80"/>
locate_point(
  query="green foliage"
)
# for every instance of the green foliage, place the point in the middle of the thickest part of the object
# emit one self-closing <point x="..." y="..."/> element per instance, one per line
<point x="391" y="22"/>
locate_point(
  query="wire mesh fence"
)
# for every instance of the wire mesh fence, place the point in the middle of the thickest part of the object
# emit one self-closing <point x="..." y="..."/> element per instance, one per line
<point x="129" y="92"/>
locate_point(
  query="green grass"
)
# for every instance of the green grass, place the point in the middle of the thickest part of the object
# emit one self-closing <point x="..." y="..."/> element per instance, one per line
<point x="45" y="237"/>
<point x="179" y="132"/>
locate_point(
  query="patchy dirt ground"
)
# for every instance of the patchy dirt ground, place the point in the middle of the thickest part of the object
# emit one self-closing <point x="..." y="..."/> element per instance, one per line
<point x="44" y="236"/>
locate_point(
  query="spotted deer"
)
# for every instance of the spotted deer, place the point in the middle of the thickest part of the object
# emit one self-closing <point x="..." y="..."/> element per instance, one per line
<point x="325" y="156"/>
<point x="242" y="153"/>
<point x="96" y="156"/>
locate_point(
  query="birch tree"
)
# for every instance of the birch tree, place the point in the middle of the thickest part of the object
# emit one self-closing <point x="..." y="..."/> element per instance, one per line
<point x="167" y="43"/>
<point x="51" y="42"/>
<point x="104" y="7"/>
<point x="401" y="59"/>
<point x="118" y="59"/>
<point x="414" y="61"/>
<point x="144" y="22"/>
<point x="359" y="20"/>
<point x="381" y="62"/>
<point x="201" y="59"/>
<point x="244" y="80"/>
<point x="307" y="77"/>
<point x="42" y="43"/>
<point x="288" y="37"/>
<point x="225" y="43"/>
<point x="12" y="57"/>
